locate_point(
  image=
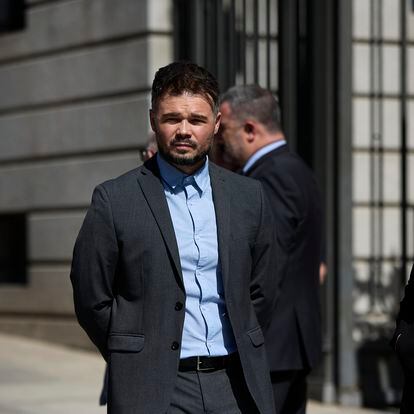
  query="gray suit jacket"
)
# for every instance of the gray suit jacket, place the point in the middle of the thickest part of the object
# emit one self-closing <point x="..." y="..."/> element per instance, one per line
<point x="129" y="292"/>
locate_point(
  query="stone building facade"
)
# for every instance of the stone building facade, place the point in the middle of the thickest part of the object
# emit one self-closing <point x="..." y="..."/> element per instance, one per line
<point x="74" y="99"/>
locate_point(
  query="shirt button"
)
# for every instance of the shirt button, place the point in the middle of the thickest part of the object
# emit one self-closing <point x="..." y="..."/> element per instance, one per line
<point x="175" y="345"/>
<point x="178" y="306"/>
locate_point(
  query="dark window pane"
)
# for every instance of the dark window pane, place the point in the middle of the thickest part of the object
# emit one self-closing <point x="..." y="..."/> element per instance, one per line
<point x="13" y="248"/>
<point x="12" y="15"/>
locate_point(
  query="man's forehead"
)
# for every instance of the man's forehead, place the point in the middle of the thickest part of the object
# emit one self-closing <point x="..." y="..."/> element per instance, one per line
<point x="185" y="101"/>
<point x="185" y="94"/>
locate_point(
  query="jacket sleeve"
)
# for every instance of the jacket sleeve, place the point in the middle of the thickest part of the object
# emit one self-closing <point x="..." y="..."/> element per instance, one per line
<point x="405" y="316"/>
<point x="264" y="287"/>
<point x="93" y="269"/>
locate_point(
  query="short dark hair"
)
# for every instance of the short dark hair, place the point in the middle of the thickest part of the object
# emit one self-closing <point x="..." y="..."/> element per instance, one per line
<point x="253" y="101"/>
<point x="179" y="77"/>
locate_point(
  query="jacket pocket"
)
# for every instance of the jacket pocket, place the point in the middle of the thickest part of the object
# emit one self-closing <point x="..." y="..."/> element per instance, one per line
<point x="256" y="336"/>
<point x="125" y="343"/>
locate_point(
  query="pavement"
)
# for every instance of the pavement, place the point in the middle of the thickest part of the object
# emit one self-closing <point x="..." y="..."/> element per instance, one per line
<point x="40" y="378"/>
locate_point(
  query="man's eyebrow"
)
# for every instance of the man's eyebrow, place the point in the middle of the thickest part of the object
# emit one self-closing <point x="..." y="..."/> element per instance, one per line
<point x="170" y="114"/>
<point x="178" y="115"/>
<point x="198" y="116"/>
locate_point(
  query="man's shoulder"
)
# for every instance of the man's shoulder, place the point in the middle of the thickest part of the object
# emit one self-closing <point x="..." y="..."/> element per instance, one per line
<point x="124" y="180"/>
<point x="283" y="163"/>
<point x="284" y="156"/>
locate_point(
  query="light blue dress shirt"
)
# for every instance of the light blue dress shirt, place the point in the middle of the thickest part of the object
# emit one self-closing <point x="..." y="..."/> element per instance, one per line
<point x="262" y="152"/>
<point x="207" y="329"/>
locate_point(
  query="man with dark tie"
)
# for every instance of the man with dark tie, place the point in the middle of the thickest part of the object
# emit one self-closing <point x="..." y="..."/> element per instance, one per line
<point x="173" y="268"/>
<point x="252" y="136"/>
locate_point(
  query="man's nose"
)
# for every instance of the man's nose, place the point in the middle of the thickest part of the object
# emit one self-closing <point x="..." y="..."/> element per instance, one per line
<point x="184" y="128"/>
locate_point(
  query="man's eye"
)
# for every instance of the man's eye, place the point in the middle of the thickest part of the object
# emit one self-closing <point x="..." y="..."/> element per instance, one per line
<point x="197" y="121"/>
<point x="171" y="120"/>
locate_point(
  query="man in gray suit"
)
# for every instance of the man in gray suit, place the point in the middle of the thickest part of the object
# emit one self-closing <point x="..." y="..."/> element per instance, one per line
<point x="172" y="268"/>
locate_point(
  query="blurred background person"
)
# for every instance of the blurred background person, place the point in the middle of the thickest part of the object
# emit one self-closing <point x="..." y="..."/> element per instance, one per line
<point x="151" y="148"/>
<point x="219" y="156"/>
<point x="403" y="344"/>
<point x="251" y="136"/>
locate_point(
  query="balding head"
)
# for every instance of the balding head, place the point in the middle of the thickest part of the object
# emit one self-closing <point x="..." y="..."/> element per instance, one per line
<point x="254" y="102"/>
<point x="250" y="120"/>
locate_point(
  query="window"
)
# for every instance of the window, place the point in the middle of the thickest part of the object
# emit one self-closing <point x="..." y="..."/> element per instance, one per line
<point x="13" y="260"/>
<point x="234" y="39"/>
<point x="12" y="15"/>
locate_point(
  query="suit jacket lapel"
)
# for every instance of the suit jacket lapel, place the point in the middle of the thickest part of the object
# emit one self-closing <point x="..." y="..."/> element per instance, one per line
<point x="221" y="198"/>
<point x="153" y="190"/>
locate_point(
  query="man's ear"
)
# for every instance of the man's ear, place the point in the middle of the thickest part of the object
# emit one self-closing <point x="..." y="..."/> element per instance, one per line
<point x="250" y="130"/>
<point x="152" y="120"/>
<point x="217" y="125"/>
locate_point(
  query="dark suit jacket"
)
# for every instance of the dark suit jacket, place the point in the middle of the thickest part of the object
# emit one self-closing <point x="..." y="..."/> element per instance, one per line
<point x="403" y="344"/>
<point x="405" y="316"/>
<point x="293" y="338"/>
<point x="128" y="286"/>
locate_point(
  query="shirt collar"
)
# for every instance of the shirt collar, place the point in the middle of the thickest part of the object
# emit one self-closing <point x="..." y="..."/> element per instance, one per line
<point x="173" y="177"/>
<point x="262" y="152"/>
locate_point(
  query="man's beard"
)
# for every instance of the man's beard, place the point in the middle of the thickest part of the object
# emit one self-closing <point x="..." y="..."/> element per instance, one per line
<point x="183" y="159"/>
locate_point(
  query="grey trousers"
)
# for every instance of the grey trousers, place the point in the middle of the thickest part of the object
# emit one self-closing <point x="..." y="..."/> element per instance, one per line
<point x="218" y="392"/>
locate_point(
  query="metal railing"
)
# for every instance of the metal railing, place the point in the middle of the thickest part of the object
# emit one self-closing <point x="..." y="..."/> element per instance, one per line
<point x="235" y="39"/>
